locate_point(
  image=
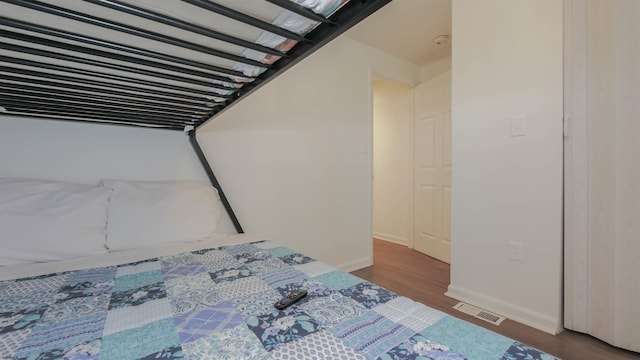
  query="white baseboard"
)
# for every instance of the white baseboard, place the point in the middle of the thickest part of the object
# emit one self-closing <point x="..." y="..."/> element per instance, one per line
<point x="536" y="320"/>
<point x="391" y="238"/>
<point x="355" y="265"/>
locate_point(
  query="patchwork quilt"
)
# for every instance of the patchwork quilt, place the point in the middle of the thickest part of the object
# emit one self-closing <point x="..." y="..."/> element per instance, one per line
<point x="219" y="304"/>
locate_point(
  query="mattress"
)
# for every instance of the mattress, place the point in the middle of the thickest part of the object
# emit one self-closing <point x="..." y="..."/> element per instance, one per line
<point x="215" y="300"/>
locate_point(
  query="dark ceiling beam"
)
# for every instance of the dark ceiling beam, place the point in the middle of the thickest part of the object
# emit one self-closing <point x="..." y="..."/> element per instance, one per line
<point x="108" y="24"/>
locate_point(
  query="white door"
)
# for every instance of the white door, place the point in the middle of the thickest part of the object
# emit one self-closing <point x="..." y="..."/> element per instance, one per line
<point x="432" y="167"/>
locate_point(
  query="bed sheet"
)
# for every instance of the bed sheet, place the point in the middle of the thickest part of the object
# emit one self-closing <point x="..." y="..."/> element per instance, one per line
<point x="217" y="303"/>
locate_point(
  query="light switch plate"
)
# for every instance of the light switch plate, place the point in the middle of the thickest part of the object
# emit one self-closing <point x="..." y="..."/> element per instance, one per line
<point x="517" y="125"/>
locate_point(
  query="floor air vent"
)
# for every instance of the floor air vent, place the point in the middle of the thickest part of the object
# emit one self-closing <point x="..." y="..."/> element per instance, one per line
<point x="479" y="313"/>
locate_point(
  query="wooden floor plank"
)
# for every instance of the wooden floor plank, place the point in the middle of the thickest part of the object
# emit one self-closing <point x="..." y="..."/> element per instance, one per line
<point x="424" y="279"/>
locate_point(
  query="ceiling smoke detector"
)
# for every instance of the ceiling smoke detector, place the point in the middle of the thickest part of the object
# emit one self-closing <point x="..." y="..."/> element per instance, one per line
<point x="441" y="39"/>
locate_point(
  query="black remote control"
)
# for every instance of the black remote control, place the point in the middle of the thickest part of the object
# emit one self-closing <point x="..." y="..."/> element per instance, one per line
<point x="288" y="300"/>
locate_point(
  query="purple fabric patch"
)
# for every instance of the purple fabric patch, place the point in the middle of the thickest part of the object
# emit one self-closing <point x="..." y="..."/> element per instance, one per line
<point x="183" y="270"/>
<point x="200" y="323"/>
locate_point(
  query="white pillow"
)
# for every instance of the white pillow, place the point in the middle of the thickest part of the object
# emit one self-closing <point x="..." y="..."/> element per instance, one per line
<point x="147" y="213"/>
<point x="43" y="220"/>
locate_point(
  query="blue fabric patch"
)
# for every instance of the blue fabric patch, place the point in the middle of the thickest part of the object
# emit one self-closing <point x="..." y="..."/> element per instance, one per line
<point x="137" y="296"/>
<point x="18" y="320"/>
<point x="520" y="351"/>
<point x="240" y="249"/>
<point x="468" y="339"/>
<point x="203" y="322"/>
<point x="420" y="348"/>
<point x="338" y="279"/>
<point x="314" y="288"/>
<point x="371" y="333"/>
<point x="368" y="294"/>
<point x="282" y="277"/>
<point x="280" y="251"/>
<point x="183" y="270"/>
<point x="94" y="276"/>
<point x="280" y="327"/>
<point x="230" y="274"/>
<point x="87" y="350"/>
<point x="63" y="334"/>
<point x="246" y="258"/>
<point x="170" y="353"/>
<point x="296" y="259"/>
<point x="140" y="342"/>
<point x="134" y="281"/>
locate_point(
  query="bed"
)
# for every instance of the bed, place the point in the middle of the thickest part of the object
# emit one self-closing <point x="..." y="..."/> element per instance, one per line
<point x="140" y="269"/>
<point x="124" y="278"/>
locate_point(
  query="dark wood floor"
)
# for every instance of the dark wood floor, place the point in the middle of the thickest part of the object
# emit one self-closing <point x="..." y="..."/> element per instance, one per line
<point x="424" y="279"/>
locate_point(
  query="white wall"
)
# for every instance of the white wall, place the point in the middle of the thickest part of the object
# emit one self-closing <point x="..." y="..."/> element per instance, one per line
<point x="392" y="160"/>
<point x="294" y="157"/>
<point x="507" y="60"/>
<point x="67" y="151"/>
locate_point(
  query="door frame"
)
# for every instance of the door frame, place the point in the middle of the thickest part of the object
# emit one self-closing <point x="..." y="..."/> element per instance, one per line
<point x="371" y="74"/>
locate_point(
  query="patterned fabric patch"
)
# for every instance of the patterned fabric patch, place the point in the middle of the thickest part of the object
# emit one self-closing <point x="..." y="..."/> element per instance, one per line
<point x="296" y="259"/>
<point x="75" y="308"/>
<point x="200" y="323"/>
<point x="232" y="344"/>
<point x="520" y="351"/>
<point x="338" y="280"/>
<point x="30" y="302"/>
<point x="240" y="249"/>
<point x="138" y="296"/>
<point x="242" y="287"/>
<point x="190" y="293"/>
<point x="262" y="266"/>
<point x="314" y="268"/>
<point x="137" y="280"/>
<point x="93" y="276"/>
<point x="140" y="342"/>
<point x="256" y="303"/>
<point x="368" y="294"/>
<point x="62" y="334"/>
<point x="247" y="258"/>
<point x="413" y="315"/>
<point x="280" y="327"/>
<point x="182" y="271"/>
<point x="420" y="348"/>
<point x="170" y="353"/>
<point x="27" y="287"/>
<point x="280" y="251"/>
<point x="129" y="317"/>
<point x="226" y="275"/>
<point x="477" y="342"/>
<point x="178" y="260"/>
<point x="87" y="350"/>
<point x="224" y="262"/>
<point x="320" y="345"/>
<point x="11" y="341"/>
<point x="80" y="290"/>
<point x="19" y="320"/>
<point x="332" y="309"/>
<point x="282" y="277"/>
<point x="371" y="333"/>
<point x="314" y="288"/>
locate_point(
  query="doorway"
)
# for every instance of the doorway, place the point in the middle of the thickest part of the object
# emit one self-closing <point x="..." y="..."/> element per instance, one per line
<point x="412" y="164"/>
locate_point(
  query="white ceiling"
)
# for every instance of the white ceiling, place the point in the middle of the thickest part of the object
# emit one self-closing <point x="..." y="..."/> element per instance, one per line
<point x="406" y="29"/>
